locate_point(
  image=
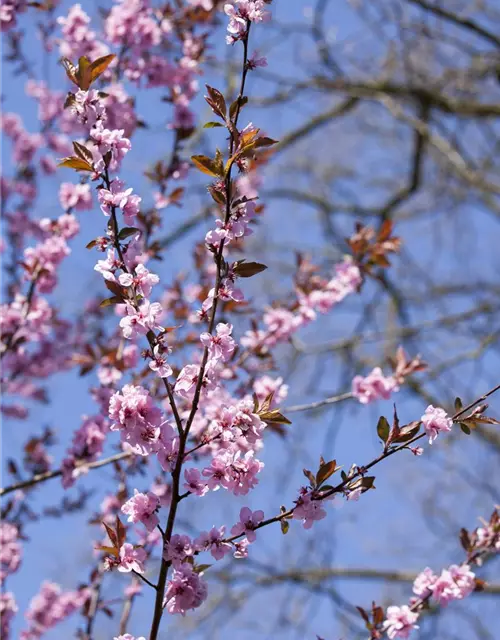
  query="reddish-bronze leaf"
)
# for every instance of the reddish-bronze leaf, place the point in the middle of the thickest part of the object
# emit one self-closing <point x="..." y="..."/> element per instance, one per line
<point x="73" y="162"/>
<point x="99" y="66"/>
<point x="245" y="269"/>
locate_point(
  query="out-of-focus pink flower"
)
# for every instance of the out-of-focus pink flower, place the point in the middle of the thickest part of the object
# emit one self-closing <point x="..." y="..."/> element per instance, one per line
<point x="400" y="622"/>
<point x="375" y="386"/>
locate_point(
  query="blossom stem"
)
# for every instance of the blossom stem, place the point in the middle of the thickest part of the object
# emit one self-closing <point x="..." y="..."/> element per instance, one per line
<point x="363" y="469"/>
<point x="42" y="477"/>
<point x="184" y="433"/>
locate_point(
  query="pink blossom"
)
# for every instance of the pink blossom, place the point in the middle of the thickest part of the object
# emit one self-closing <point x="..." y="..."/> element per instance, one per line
<point x="108" y="267"/>
<point x="207" y="5"/>
<point x="186" y="590"/>
<point x="241" y="548"/>
<point x="142" y="280"/>
<point x="8" y="609"/>
<point x="424" y="583"/>
<point x="87" y="445"/>
<point x="50" y="607"/>
<point x="188" y="379"/>
<point x="50" y="103"/>
<point x="400" y="622"/>
<point x="110" y="141"/>
<point x="121" y="198"/>
<point x="193" y="482"/>
<point x="133" y="414"/>
<point x="168" y="447"/>
<point x="213" y="541"/>
<point x="249" y="521"/>
<point x="233" y="471"/>
<point x="256" y="61"/>
<point x="139" y="321"/>
<point x="435" y="420"/>
<point x="10" y="550"/>
<point x="307" y="509"/>
<point x="120" y="112"/>
<point x="454" y="583"/>
<point x="48" y="164"/>
<point x="221" y="346"/>
<point x="178" y="548"/>
<point x="88" y="108"/>
<point x="142" y="508"/>
<point x="9" y="11"/>
<point x="131" y="24"/>
<point x="245" y="10"/>
<point x="374" y="387"/>
<point x="131" y="559"/>
<point x="78" y="40"/>
<point x="266" y="385"/>
<point x="159" y="362"/>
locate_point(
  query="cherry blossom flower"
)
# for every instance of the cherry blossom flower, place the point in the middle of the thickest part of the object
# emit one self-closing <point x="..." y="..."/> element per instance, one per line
<point x="8" y="609"/>
<point x="435" y="420"/>
<point x="375" y="386"/>
<point x="50" y="607"/>
<point x="221" y="346"/>
<point x="186" y="590"/>
<point x="454" y="583"/>
<point x="131" y="559"/>
<point x="142" y="508"/>
<point x="142" y="279"/>
<point x="10" y="550"/>
<point x="307" y="509"/>
<point x="213" y="541"/>
<point x="194" y="483"/>
<point x="75" y="196"/>
<point x="249" y="520"/>
<point x="400" y="622"/>
<point x="134" y="414"/>
<point x="424" y="582"/>
<point x="141" y="320"/>
<point x="178" y="548"/>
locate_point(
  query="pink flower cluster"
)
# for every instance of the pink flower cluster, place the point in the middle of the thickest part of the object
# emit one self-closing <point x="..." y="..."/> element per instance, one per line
<point x="10" y="550"/>
<point x="75" y="196"/>
<point x="132" y="26"/>
<point x="308" y="509"/>
<point x="375" y="386"/>
<point x="454" y="583"/>
<point x="142" y="507"/>
<point x="8" y="609"/>
<point x="87" y="446"/>
<point x="400" y="622"/>
<point x="9" y="11"/>
<point x="240" y="14"/>
<point x="24" y="144"/>
<point x="50" y="607"/>
<point x="138" y="420"/>
<point x="282" y="323"/>
<point x="119" y="198"/>
<point x="185" y="590"/>
<point x="77" y="37"/>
